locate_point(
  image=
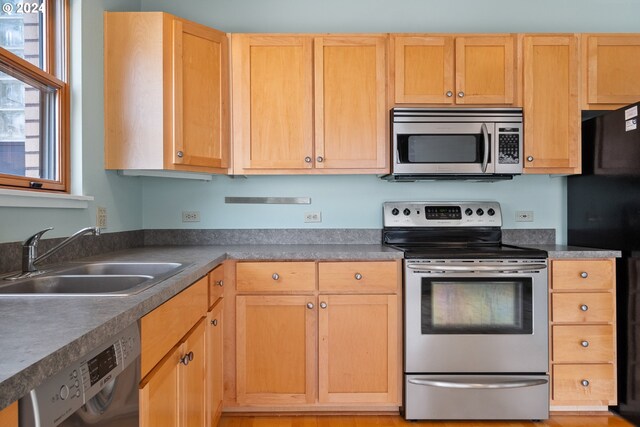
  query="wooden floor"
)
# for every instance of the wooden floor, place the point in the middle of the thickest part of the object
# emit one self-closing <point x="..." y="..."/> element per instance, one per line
<point x="394" y="421"/>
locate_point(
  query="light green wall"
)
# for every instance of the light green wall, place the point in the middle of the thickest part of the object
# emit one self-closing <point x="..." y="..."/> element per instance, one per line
<point x="122" y="197"/>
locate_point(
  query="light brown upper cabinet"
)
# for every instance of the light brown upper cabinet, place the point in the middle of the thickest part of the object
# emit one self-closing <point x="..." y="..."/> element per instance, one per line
<point x="309" y="105"/>
<point x="450" y="69"/>
<point x="610" y="64"/>
<point x="551" y="106"/>
<point x="166" y="94"/>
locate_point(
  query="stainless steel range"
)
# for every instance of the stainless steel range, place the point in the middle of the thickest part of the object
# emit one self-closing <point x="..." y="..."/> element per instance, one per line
<point x="475" y="312"/>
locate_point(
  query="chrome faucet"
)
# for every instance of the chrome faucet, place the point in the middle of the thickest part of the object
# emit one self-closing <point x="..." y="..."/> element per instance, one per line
<point x="30" y="250"/>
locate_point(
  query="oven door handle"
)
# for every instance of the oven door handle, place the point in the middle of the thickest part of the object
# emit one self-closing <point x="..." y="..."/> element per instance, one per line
<point x="469" y="268"/>
<point x="485" y="159"/>
<point x="479" y="385"/>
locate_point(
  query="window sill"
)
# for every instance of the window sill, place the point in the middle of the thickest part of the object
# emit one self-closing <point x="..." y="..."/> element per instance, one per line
<point x="32" y="199"/>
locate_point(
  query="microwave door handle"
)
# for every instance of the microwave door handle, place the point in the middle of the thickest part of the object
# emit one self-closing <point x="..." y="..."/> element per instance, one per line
<point x="485" y="160"/>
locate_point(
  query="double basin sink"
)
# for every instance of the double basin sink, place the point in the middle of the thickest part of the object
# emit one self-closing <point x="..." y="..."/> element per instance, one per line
<point x="93" y="279"/>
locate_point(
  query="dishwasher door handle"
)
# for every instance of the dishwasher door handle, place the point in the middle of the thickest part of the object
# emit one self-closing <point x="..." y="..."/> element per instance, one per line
<point x="478" y="385"/>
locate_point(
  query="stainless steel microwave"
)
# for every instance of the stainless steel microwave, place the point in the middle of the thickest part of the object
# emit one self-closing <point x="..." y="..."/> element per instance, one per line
<point x="456" y="143"/>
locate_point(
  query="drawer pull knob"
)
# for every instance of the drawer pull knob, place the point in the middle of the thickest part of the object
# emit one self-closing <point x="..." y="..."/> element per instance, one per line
<point x="358" y="276"/>
<point x="323" y="304"/>
<point x="584" y="274"/>
<point x="585" y="344"/>
<point x="584" y="307"/>
<point x="275" y="276"/>
<point x="214" y="322"/>
<point x="310" y="305"/>
<point x="219" y="283"/>
<point x="585" y="383"/>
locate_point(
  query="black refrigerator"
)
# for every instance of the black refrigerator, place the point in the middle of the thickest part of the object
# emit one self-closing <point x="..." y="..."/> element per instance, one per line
<point x="603" y="210"/>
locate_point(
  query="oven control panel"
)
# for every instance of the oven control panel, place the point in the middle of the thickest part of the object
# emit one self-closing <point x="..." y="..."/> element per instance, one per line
<point x="442" y="214"/>
<point x="64" y="393"/>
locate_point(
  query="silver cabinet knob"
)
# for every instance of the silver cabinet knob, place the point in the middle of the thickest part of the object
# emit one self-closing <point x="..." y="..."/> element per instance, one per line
<point x="585" y="344"/>
<point x="219" y="283"/>
<point x="309" y="305"/>
<point x="585" y="383"/>
<point x="187" y="358"/>
<point x="358" y="276"/>
<point x="214" y="322"/>
<point x="323" y="304"/>
<point x="180" y="154"/>
<point x="449" y="94"/>
<point x="529" y="158"/>
<point x="275" y="276"/>
<point x="584" y="274"/>
<point x="320" y="159"/>
<point x="460" y="94"/>
<point x="307" y="159"/>
<point x="584" y="307"/>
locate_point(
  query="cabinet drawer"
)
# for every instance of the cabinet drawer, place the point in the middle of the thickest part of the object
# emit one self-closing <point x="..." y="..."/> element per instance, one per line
<point x="582" y="274"/>
<point x="360" y="276"/>
<point x="584" y="382"/>
<point x="582" y="307"/>
<point x="583" y="343"/>
<point x="165" y="326"/>
<point x="216" y="284"/>
<point x="275" y="276"/>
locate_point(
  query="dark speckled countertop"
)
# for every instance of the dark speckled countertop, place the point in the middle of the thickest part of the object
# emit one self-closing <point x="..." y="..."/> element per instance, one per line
<point x="39" y="336"/>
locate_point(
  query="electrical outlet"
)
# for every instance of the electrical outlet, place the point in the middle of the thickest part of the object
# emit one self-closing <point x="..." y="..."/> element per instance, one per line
<point x="524" y="216"/>
<point x="101" y="217"/>
<point x="313" y="217"/>
<point x="190" y="216"/>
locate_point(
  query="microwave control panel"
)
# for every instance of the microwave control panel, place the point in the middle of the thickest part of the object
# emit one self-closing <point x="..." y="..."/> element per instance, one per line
<point x="509" y="145"/>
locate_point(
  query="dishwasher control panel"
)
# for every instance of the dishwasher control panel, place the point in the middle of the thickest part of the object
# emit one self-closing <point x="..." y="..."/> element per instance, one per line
<point x="63" y="394"/>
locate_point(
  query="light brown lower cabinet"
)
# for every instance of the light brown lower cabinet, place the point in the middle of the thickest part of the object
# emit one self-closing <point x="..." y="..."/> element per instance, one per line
<point x="9" y="416"/>
<point x="173" y="387"/>
<point x="582" y="334"/>
<point x="333" y="342"/>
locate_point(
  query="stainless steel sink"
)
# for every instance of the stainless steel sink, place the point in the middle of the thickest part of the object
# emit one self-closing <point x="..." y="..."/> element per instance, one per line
<point x="93" y="279"/>
<point x="154" y="269"/>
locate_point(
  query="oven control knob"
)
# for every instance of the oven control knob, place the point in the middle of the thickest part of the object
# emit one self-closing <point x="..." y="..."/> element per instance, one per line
<point x="64" y="392"/>
<point x="468" y="211"/>
<point x="406" y="211"/>
<point x="480" y="212"/>
<point x="491" y="212"/>
<point x="395" y="211"/>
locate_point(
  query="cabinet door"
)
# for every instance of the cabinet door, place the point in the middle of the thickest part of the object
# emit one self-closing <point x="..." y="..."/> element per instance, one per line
<point x="423" y="69"/>
<point x="275" y="349"/>
<point x="159" y="393"/>
<point x="9" y="416"/>
<point x="611" y="73"/>
<point x="485" y="70"/>
<point x="214" y="364"/>
<point x="192" y="378"/>
<point x="551" y="109"/>
<point x="358" y="350"/>
<point x="273" y="96"/>
<point x="201" y="96"/>
<point x="350" y="103"/>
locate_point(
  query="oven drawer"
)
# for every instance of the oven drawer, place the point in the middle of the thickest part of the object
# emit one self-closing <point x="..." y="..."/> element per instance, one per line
<point x="583" y="343"/>
<point x="359" y="276"/>
<point x="465" y="397"/>
<point x="584" y="382"/>
<point x="275" y="276"/>
<point x="582" y="274"/>
<point x="582" y="307"/>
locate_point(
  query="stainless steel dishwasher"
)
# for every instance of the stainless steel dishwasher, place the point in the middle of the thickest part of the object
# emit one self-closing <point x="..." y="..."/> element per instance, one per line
<point x="99" y="389"/>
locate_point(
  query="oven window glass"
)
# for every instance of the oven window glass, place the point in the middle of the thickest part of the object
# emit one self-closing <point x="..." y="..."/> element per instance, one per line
<point x="476" y="306"/>
<point x="437" y="148"/>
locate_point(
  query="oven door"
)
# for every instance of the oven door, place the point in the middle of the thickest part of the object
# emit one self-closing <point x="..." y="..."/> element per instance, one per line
<point x="444" y="148"/>
<point x="476" y="316"/>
